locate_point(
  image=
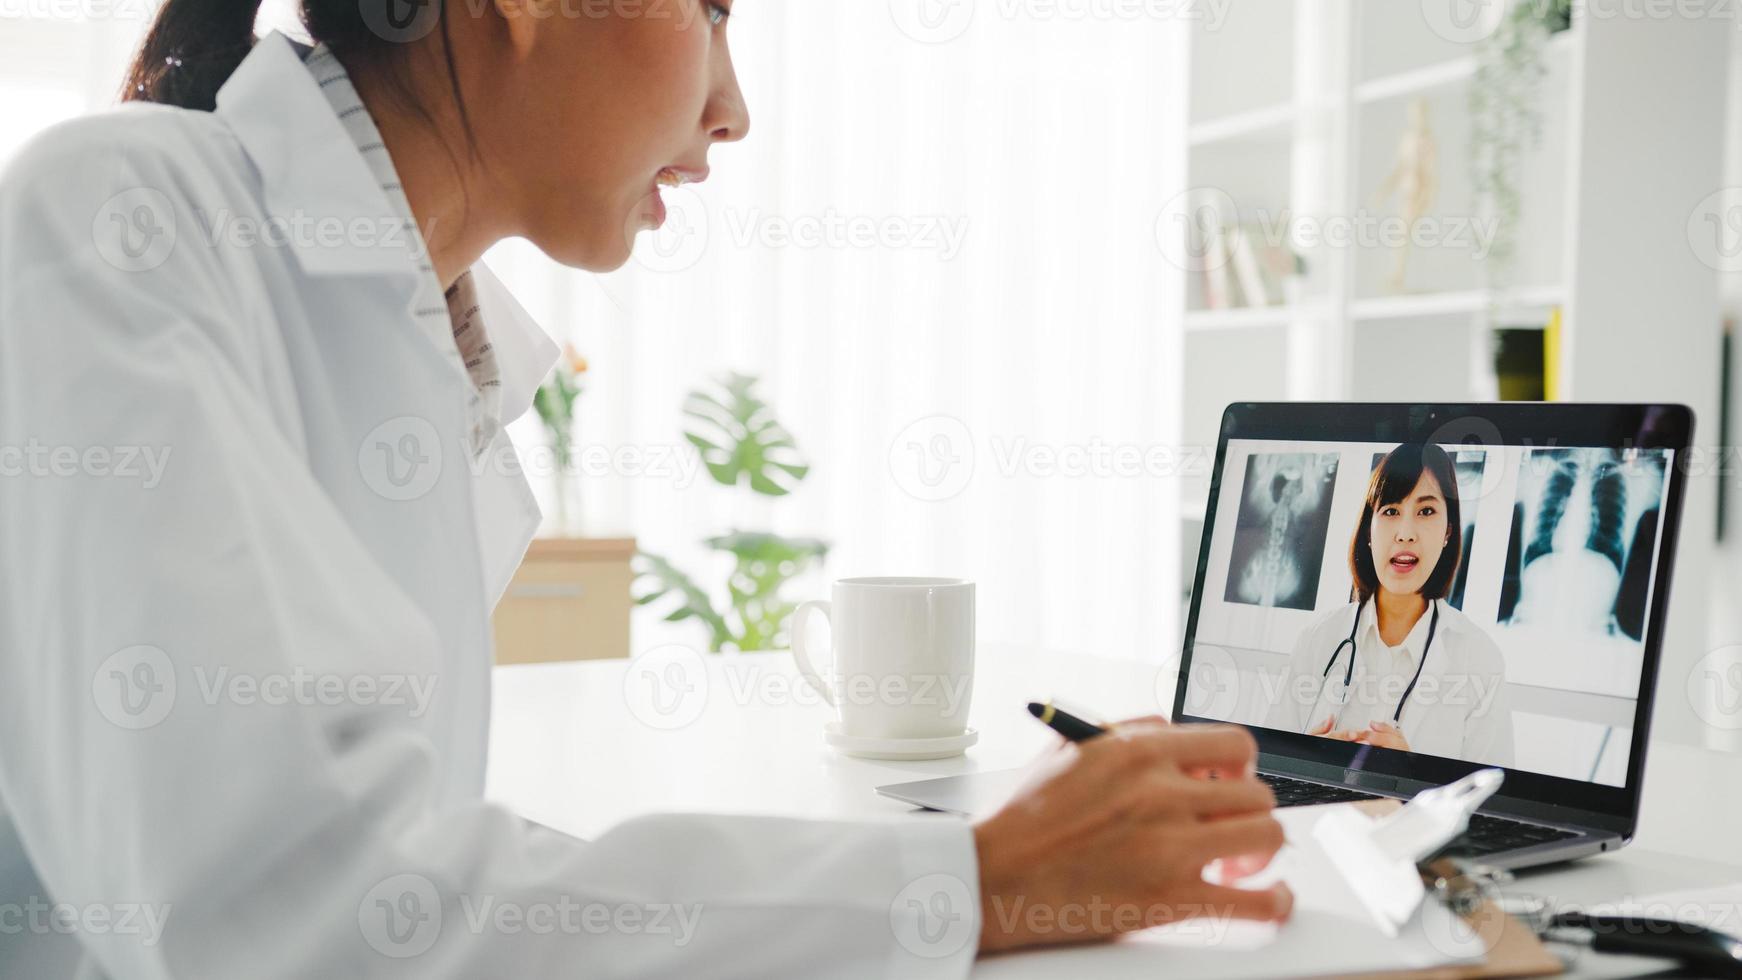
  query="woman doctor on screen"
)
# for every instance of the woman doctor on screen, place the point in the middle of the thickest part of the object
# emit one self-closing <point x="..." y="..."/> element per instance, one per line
<point x="264" y="275"/>
<point x="1399" y="667"/>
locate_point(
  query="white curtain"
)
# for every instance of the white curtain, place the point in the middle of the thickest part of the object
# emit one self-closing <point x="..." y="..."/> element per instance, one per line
<point x="940" y="238"/>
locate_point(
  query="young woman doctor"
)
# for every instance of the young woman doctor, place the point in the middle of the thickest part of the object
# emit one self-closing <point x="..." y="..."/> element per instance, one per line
<point x="1399" y="667"/>
<point x="265" y="275"/>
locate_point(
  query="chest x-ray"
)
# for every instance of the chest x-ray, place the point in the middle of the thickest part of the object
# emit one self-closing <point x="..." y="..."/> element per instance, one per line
<point x="1279" y="538"/>
<point x="1584" y="530"/>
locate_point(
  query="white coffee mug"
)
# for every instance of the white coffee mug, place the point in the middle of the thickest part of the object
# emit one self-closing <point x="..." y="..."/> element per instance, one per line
<point x="903" y="655"/>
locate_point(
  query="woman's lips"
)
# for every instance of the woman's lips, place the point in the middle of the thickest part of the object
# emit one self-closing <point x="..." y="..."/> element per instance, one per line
<point x="671" y="177"/>
<point x="1404" y="562"/>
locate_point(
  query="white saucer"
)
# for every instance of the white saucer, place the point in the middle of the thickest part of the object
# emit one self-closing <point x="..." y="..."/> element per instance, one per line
<point x="902" y="749"/>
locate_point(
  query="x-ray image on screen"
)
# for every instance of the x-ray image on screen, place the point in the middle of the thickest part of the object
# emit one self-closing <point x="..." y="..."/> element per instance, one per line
<point x="1584" y="530"/>
<point x="1279" y="536"/>
<point x="1469" y="466"/>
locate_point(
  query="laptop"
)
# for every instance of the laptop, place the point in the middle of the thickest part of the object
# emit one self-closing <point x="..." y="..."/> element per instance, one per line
<point x="1523" y="610"/>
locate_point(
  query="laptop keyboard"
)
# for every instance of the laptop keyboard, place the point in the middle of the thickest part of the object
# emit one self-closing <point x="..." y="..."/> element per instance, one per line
<point x="1486" y="834"/>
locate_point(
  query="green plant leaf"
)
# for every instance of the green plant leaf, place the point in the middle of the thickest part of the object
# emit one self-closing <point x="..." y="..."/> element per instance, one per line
<point x="663" y="579"/>
<point x="740" y="440"/>
<point x="763" y="564"/>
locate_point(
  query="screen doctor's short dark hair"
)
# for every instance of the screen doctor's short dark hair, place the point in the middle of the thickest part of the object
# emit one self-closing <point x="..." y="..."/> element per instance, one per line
<point x="1394" y="477"/>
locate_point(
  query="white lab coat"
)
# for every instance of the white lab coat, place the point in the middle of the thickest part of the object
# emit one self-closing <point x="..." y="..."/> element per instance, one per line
<point x="315" y="514"/>
<point x="1460" y="707"/>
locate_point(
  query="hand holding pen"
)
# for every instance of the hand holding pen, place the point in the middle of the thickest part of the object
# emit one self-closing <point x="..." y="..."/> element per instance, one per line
<point x="1114" y="834"/>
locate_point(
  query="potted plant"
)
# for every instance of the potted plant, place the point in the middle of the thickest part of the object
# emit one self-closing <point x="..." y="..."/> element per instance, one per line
<point x="743" y="446"/>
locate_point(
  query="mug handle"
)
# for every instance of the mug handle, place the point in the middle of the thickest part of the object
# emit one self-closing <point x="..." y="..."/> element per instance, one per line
<point x="799" y="654"/>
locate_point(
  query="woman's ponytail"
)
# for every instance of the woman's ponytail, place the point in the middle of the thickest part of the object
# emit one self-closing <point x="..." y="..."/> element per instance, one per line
<point x="192" y="49"/>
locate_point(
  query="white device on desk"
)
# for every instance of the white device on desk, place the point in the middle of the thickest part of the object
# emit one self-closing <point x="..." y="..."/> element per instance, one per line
<point x="1540" y="619"/>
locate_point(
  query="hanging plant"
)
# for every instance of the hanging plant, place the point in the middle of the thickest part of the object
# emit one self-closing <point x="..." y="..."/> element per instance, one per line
<point x="1506" y="120"/>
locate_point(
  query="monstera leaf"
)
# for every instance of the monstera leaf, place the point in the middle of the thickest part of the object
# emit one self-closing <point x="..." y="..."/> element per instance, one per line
<point x="665" y="579"/>
<point x="740" y="440"/>
<point x="763" y="564"/>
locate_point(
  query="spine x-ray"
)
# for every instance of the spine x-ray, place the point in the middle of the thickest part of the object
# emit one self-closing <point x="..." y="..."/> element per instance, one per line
<point x="1279" y="537"/>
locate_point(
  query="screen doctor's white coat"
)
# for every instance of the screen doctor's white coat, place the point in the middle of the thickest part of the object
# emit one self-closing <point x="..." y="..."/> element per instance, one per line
<point x="315" y="513"/>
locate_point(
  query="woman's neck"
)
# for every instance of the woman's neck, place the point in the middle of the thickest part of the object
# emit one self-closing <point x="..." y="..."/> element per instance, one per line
<point x="1398" y="614"/>
<point x="449" y="204"/>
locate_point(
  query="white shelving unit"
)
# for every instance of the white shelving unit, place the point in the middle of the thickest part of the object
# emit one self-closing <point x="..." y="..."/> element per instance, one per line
<point x="1298" y="107"/>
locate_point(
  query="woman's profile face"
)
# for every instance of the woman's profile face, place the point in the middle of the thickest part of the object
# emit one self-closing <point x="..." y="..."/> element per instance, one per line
<point x="1408" y="536"/>
<point x="596" y="107"/>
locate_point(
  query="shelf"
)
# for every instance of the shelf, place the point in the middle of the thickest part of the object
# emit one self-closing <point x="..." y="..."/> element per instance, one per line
<point x="1247" y="317"/>
<point x="1273" y="120"/>
<point x="1454" y="303"/>
<point x="1446" y="73"/>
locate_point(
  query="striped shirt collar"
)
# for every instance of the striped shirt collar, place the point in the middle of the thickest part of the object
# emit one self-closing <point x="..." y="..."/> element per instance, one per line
<point x="452" y="319"/>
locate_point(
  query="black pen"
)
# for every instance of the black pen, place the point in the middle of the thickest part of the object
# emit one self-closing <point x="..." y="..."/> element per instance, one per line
<point x="1065" y="723"/>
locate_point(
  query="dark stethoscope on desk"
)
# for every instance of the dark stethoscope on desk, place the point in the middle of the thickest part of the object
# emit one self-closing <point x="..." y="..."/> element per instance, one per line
<point x="1341" y="698"/>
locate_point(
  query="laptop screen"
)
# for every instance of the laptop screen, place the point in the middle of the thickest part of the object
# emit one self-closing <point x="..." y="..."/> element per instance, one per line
<point x="1487" y="604"/>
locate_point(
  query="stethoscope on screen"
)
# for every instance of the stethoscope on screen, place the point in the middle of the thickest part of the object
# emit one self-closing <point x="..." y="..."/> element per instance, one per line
<point x="1341" y="698"/>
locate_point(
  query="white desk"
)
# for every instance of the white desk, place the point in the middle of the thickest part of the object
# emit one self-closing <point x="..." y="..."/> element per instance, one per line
<point x="579" y="747"/>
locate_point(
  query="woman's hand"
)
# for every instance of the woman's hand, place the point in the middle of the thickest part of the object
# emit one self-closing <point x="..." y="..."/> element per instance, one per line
<point x="1114" y="834"/>
<point x="1385" y="735"/>
<point x="1341" y="734"/>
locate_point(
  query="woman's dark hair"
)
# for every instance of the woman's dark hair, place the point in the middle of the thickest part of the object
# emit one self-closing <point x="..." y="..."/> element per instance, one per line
<point x="1393" y="479"/>
<point x="194" y="46"/>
